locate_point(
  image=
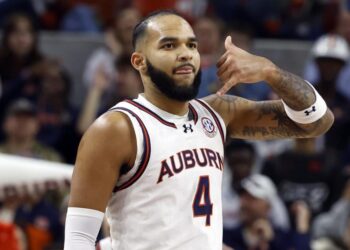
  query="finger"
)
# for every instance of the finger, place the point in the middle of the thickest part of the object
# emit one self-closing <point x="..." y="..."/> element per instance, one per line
<point x="227" y="66"/>
<point x="223" y="90"/>
<point x="222" y="59"/>
<point x="228" y="43"/>
<point x="224" y="68"/>
<point x="226" y="75"/>
<point x="227" y="86"/>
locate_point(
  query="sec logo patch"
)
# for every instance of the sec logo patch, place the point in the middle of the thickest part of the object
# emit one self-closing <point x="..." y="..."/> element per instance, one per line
<point x="208" y="127"/>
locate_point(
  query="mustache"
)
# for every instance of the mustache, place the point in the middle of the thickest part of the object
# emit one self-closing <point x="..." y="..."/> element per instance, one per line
<point x="184" y="65"/>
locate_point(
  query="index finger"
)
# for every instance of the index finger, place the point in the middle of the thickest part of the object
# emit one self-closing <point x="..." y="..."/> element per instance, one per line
<point x="222" y="59"/>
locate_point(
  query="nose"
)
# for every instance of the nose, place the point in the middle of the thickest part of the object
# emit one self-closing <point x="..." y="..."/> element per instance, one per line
<point x="185" y="54"/>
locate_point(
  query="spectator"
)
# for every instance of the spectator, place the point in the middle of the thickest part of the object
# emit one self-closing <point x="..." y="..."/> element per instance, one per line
<point x="331" y="54"/>
<point x="208" y="31"/>
<point x="12" y="238"/>
<point x="240" y="163"/>
<point x="40" y="220"/>
<point x="127" y="85"/>
<point x="242" y="35"/>
<point x="21" y="63"/>
<point x="21" y="127"/>
<point x="343" y="28"/>
<point x="256" y="230"/>
<point x="312" y="73"/>
<point x="9" y="7"/>
<point x="190" y="9"/>
<point x="263" y="15"/>
<point x="56" y="115"/>
<point x="80" y="18"/>
<point x="239" y="160"/>
<point x="304" y="173"/>
<point x="118" y="41"/>
<point x="37" y="217"/>
<point x="333" y="228"/>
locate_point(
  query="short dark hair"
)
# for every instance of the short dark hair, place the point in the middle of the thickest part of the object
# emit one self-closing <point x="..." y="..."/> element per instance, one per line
<point x="140" y="28"/>
<point x="122" y="62"/>
<point x="237" y="144"/>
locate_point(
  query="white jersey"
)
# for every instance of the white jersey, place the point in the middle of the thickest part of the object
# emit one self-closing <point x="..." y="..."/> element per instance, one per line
<point x="171" y="197"/>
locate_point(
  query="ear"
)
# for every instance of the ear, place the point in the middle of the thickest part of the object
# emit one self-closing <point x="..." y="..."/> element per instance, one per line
<point x="138" y="61"/>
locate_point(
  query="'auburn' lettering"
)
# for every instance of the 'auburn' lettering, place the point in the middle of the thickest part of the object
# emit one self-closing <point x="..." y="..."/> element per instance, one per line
<point x="188" y="159"/>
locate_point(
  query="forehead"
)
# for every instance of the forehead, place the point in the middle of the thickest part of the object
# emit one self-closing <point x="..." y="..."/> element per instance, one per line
<point x="168" y="26"/>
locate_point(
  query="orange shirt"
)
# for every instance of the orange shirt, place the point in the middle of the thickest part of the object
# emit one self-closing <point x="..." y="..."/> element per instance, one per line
<point x="8" y="237"/>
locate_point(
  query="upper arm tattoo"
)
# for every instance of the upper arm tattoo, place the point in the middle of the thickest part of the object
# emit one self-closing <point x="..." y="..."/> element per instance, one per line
<point x="259" y="120"/>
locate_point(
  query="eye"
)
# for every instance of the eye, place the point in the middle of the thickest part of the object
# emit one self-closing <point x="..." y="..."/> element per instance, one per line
<point x="168" y="46"/>
<point x="192" y="45"/>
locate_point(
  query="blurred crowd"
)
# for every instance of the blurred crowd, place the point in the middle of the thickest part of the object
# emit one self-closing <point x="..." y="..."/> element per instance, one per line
<point x="290" y="194"/>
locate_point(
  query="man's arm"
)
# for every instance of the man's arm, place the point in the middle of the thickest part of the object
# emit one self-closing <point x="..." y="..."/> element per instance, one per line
<point x="107" y="145"/>
<point x="265" y="119"/>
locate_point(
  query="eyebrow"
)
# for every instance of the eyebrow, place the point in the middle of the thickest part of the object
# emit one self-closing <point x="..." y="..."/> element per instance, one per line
<point x="173" y="39"/>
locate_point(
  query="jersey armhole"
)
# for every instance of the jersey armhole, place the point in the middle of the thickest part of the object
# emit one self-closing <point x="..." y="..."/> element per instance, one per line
<point x="127" y="174"/>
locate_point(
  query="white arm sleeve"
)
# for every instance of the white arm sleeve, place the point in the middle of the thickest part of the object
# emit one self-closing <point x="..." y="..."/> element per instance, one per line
<point x="311" y="114"/>
<point x="82" y="227"/>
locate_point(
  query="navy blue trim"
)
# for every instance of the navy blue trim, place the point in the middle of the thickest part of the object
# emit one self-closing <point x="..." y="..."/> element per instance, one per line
<point x="150" y="112"/>
<point x="145" y="155"/>
<point x="194" y="113"/>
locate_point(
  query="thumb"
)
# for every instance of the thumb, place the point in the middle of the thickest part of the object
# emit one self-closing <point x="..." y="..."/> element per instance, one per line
<point x="228" y="43"/>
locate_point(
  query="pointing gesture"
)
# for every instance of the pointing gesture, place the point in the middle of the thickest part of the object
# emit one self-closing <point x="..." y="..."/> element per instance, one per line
<point x="238" y="66"/>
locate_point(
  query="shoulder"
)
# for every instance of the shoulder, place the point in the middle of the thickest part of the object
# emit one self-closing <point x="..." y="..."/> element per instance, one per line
<point x="110" y="141"/>
<point x="110" y="125"/>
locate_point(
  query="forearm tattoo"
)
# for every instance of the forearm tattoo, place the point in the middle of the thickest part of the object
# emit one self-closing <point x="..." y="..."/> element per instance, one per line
<point x="294" y="91"/>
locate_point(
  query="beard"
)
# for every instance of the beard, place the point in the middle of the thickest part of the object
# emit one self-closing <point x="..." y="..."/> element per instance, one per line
<point x="168" y="86"/>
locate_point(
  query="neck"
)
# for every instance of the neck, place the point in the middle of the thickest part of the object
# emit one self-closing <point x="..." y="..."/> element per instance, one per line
<point x="20" y="145"/>
<point x="327" y="90"/>
<point x="165" y="103"/>
<point x="52" y="101"/>
<point x="306" y="146"/>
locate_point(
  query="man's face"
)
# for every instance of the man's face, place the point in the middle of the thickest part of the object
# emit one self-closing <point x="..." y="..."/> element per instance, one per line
<point x="170" y="49"/>
<point x="21" y="126"/>
<point x="252" y="208"/>
<point x="125" y="24"/>
<point x="128" y="84"/>
<point x="241" y="163"/>
<point x="329" y="69"/>
<point x="207" y="43"/>
<point x="52" y="83"/>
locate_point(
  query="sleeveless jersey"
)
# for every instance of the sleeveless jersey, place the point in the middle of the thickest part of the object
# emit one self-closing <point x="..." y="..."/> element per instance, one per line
<point x="171" y="197"/>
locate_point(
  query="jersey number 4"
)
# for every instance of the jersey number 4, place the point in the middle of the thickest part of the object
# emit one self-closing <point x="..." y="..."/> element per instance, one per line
<point x="202" y="205"/>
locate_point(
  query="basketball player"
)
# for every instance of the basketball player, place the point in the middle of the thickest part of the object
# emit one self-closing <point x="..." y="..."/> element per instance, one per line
<point x="156" y="162"/>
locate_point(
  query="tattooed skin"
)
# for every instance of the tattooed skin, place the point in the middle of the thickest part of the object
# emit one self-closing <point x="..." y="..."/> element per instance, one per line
<point x="263" y="120"/>
<point x="294" y="91"/>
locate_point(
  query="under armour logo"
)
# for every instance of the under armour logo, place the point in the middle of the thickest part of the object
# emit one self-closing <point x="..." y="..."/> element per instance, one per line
<point x="187" y="128"/>
<point x="308" y="112"/>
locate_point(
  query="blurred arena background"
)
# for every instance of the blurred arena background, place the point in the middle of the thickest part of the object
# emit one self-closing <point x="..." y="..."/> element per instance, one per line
<point x="65" y="62"/>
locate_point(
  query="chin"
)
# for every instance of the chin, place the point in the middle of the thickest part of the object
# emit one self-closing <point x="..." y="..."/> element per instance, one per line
<point x="184" y="80"/>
